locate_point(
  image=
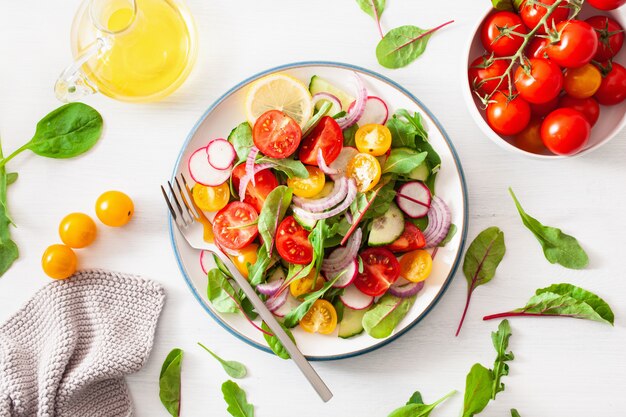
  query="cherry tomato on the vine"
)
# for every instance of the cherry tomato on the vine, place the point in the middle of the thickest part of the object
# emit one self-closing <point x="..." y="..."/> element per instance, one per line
<point x="508" y="115"/>
<point x="582" y="82"/>
<point x="610" y="36"/>
<point x="529" y="139"/>
<point x="544" y="109"/>
<point x="613" y="87"/>
<point x="537" y="48"/>
<point x="576" y="46"/>
<point x="481" y="73"/>
<point x="565" y="131"/>
<point x="607" y="4"/>
<point x="532" y="13"/>
<point x="500" y="33"/>
<point x="539" y="81"/>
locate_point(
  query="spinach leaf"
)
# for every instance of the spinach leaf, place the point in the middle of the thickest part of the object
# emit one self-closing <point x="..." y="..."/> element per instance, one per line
<point x="402" y="161"/>
<point x="241" y="139"/>
<point x="558" y="247"/>
<point x="416" y="398"/>
<point x="236" y="400"/>
<point x="233" y="368"/>
<point x="257" y="270"/>
<point x="221" y="293"/>
<point x="382" y="319"/>
<point x="449" y="236"/>
<point x="290" y="167"/>
<point x="481" y="261"/>
<point x="247" y="307"/>
<point x="418" y="408"/>
<point x="220" y="265"/>
<point x="169" y="382"/>
<point x="275" y="344"/>
<point x="8" y="249"/>
<point x="11" y="176"/>
<point x="514" y="413"/>
<point x="317" y="238"/>
<point x="374" y="8"/>
<point x="293" y="317"/>
<point x="349" y="134"/>
<point x="272" y="213"/>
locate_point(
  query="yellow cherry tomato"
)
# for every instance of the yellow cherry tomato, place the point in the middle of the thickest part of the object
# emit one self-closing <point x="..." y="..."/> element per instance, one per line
<point x="416" y="266"/>
<point x="365" y="170"/>
<point x="114" y="208"/>
<point x="308" y="187"/>
<point x="211" y="198"/>
<point x="328" y="188"/>
<point x="245" y="256"/>
<point x="59" y="261"/>
<point x="321" y="318"/>
<point x="582" y="82"/>
<point x="373" y="139"/>
<point x="299" y="287"/>
<point x="77" y="230"/>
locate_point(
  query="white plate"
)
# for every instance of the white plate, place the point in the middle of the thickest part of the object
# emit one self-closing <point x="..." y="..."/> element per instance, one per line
<point x="227" y="112"/>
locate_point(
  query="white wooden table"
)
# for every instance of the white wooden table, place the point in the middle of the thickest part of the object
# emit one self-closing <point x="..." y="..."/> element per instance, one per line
<point x="562" y="368"/>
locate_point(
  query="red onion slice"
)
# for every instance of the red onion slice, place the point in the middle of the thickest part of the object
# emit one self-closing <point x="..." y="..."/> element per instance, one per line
<point x="270" y="288"/>
<point x="262" y="167"/>
<point x="341" y="257"/>
<point x="358" y="108"/>
<point x="322" y="164"/>
<point x="341" y="207"/>
<point x="276" y="301"/>
<point x="439" y="221"/>
<point x="341" y="163"/>
<point x="254" y="151"/>
<point x="338" y="193"/>
<point x="406" y="290"/>
<point x="329" y="97"/>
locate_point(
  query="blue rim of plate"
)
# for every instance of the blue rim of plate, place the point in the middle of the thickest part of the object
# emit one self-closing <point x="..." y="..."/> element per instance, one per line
<point x="457" y="162"/>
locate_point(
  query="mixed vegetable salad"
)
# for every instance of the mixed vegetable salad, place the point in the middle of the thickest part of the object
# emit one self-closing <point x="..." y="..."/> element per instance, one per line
<point x="325" y="204"/>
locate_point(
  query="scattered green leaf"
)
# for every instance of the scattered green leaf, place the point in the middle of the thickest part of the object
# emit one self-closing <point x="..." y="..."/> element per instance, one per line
<point x="374" y="8"/>
<point x="169" y="382"/>
<point x="9" y="251"/>
<point x="233" y="368"/>
<point x="418" y="408"/>
<point x="236" y="400"/>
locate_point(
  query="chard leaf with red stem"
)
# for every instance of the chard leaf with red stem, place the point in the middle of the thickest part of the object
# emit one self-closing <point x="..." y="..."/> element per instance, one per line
<point x="375" y="9"/>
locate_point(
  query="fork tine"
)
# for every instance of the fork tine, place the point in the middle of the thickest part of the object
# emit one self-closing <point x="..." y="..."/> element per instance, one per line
<point x="177" y="203"/>
<point x="185" y="196"/>
<point x="169" y="204"/>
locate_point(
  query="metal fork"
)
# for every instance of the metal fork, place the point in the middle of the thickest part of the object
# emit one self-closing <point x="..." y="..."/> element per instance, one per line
<point x="190" y="221"/>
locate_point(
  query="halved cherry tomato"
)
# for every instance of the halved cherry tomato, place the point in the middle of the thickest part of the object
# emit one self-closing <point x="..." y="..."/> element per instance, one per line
<point x="508" y="115"/>
<point x="326" y="136"/>
<point x="380" y="270"/>
<point x="496" y="33"/>
<point x="589" y="107"/>
<point x="607" y="4"/>
<point x="537" y="48"/>
<point x="565" y="131"/>
<point x="276" y="134"/>
<point x="308" y="187"/>
<point x="613" y="87"/>
<point x="234" y="226"/>
<point x="416" y="266"/>
<point x="532" y="13"/>
<point x="610" y="37"/>
<point x="264" y="182"/>
<point x="582" y="82"/>
<point x="321" y="318"/>
<point x="544" y="109"/>
<point x="539" y="81"/>
<point x="576" y="46"/>
<point x="411" y="239"/>
<point x="301" y="286"/>
<point x="529" y="139"/>
<point x="211" y="198"/>
<point x="243" y="257"/>
<point x="365" y="170"/>
<point x="373" y="139"/>
<point x="482" y="71"/>
<point x="292" y="242"/>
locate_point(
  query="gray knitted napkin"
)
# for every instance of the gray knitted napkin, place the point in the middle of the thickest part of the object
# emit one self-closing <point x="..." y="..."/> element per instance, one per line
<point x="66" y="351"/>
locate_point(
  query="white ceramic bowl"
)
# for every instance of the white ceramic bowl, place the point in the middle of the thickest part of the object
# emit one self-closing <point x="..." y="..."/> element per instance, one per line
<point x="612" y="118"/>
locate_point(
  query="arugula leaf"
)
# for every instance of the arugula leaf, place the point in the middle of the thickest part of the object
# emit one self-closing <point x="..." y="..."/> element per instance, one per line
<point x="9" y="251"/>
<point x="564" y="300"/>
<point x="349" y="135"/>
<point x="220" y="292"/>
<point x="514" y="413"/>
<point x="380" y="321"/>
<point x="558" y="247"/>
<point x="500" y="340"/>
<point x="382" y="201"/>
<point x="418" y="408"/>
<point x="481" y="261"/>
<point x="374" y="8"/>
<point x="169" y="382"/>
<point x="241" y="139"/>
<point x="233" y="368"/>
<point x="290" y="167"/>
<point x="275" y="344"/>
<point x="402" y="161"/>
<point x="416" y="122"/>
<point x="235" y="397"/>
<point x="272" y="213"/>
<point x="257" y="270"/>
<point x="293" y="317"/>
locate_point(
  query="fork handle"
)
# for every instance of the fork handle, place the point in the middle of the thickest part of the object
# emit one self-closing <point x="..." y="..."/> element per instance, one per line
<point x="267" y="316"/>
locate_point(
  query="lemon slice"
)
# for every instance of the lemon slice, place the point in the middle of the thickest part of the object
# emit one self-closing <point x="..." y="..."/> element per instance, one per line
<point x="279" y="92"/>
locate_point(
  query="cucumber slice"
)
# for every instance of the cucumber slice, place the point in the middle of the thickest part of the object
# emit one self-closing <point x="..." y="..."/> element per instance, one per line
<point x="352" y="322"/>
<point x="387" y="228"/>
<point x="421" y="172"/>
<point x="320" y="85"/>
<point x="308" y="224"/>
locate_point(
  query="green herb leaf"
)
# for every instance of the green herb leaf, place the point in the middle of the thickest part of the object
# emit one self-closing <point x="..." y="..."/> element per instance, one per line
<point x="315" y="119"/>
<point x="514" y="413"/>
<point x="220" y="292"/>
<point x="381" y="200"/>
<point x="293" y="317"/>
<point x="257" y="270"/>
<point x="11" y="177"/>
<point x="558" y="247"/>
<point x="290" y="167"/>
<point x="169" y="382"/>
<point x="374" y="8"/>
<point x="349" y="135"/>
<point x="403" y="45"/>
<point x="317" y="238"/>
<point x="402" y="161"/>
<point x="272" y="213"/>
<point x="8" y="249"/>
<point x="418" y="409"/>
<point x="500" y="340"/>
<point x="382" y="319"/>
<point x="235" y="397"/>
<point x="241" y="139"/>
<point x="275" y="344"/>
<point x="449" y="236"/>
<point x="233" y="368"/>
<point x="481" y="261"/>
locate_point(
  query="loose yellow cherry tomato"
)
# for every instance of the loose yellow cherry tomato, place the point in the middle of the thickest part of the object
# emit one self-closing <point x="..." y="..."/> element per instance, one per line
<point x="211" y="198"/>
<point x="321" y="318"/>
<point x="373" y="139"/>
<point x="416" y="266"/>
<point x="245" y="256"/>
<point x="59" y="261"/>
<point x="77" y="230"/>
<point x="299" y="287"/>
<point x="114" y="208"/>
<point x="365" y="169"/>
<point x="308" y="187"/>
<point x="582" y="82"/>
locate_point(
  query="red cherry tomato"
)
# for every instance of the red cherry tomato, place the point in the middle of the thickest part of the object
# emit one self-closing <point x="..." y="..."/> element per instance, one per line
<point x="480" y="70"/>
<point x="411" y="239"/>
<point x="613" y="87"/>
<point x="577" y="45"/>
<point x="276" y="134"/>
<point x="544" y="109"/>
<point x="537" y="48"/>
<point x="495" y="34"/>
<point x="264" y="182"/>
<point x="507" y="117"/>
<point x="610" y="37"/>
<point x="380" y="270"/>
<point x="234" y="226"/>
<point x="326" y="136"/>
<point x="565" y="131"/>
<point x="589" y="107"/>
<point x="539" y="82"/>
<point x="532" y="13"/>
<point x="529" y="139"/>
<point x="607" y="4"/>
<point x="292" y="242"/>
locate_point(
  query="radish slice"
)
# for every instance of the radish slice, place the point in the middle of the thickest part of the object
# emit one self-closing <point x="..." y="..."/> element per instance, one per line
<point x="355" y="299"/>
<point x="439" y="221"/>
<point x="356" y="111"/>
<point x="348" y="274"/>
<point x="376" y="111"/>
<point x="289" y="305"/>
<point x="202" y="172"/>
<point x="414" y="199"/>
<point x="206" y="261"/>
<point x="220" y="153"/>
<point x="406" y="290"/>
<point x="341" y="163"/>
